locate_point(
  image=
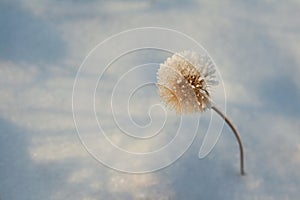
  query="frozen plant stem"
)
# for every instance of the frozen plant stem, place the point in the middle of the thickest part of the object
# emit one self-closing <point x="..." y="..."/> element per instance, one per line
<point x="237" y="135"/>
<point x="187" y="75"/>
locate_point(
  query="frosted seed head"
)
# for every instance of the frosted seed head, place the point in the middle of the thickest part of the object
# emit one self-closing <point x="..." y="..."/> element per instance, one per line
<point x="189" y="76"/>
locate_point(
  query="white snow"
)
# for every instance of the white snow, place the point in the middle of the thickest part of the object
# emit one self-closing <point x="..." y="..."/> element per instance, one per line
<point x="42" y="46"/>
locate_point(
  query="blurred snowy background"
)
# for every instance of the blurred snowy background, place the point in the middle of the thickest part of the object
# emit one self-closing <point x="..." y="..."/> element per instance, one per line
<point x="255" y="45"/>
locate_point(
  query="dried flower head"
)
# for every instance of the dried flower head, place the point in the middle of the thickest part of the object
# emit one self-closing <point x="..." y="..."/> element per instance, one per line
<point x="184" y="83"/>
<point x="185" y="80"/>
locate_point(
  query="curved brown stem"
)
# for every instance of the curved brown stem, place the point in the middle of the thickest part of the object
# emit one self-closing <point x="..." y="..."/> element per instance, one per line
<point x="237" y="135"/>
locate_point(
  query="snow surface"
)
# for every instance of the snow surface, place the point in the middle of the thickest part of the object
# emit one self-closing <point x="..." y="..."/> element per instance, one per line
<point x="255" y="45"/>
